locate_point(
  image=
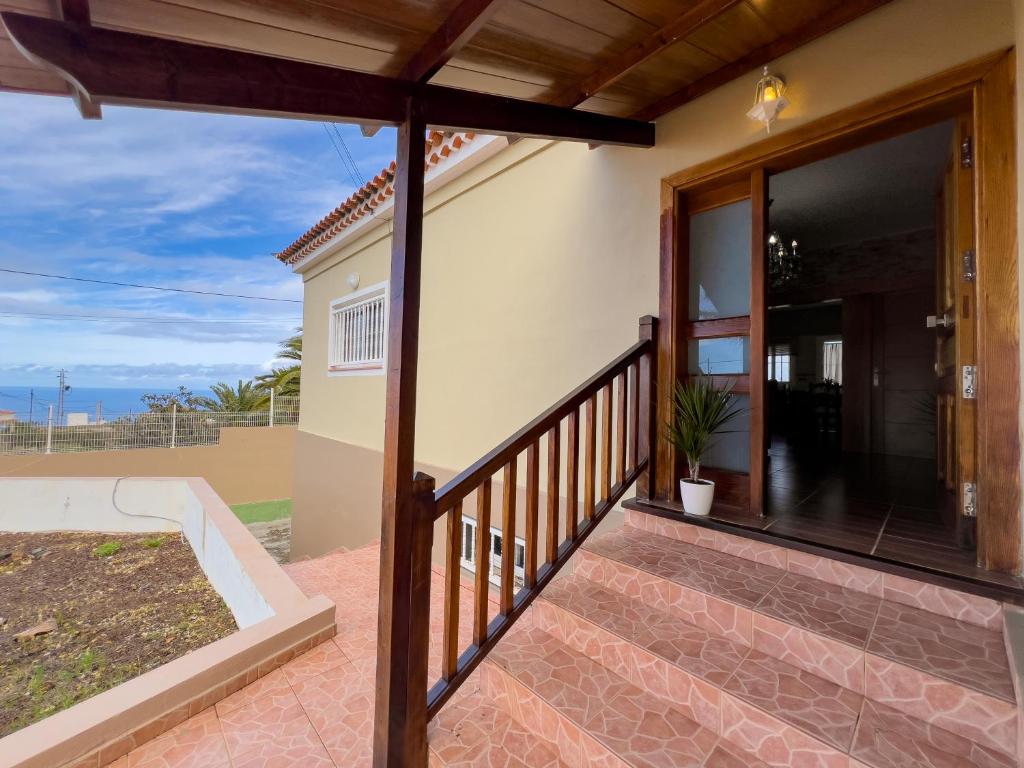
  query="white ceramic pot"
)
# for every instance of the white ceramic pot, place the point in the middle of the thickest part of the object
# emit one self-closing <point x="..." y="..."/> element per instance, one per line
<point x="697" y="496"/>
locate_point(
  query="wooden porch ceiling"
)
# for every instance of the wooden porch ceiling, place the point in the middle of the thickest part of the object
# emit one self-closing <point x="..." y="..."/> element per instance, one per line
<point x="627" y="58"/>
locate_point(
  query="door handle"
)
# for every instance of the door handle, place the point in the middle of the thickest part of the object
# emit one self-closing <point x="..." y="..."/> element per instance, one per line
<point x="939" y="322"/>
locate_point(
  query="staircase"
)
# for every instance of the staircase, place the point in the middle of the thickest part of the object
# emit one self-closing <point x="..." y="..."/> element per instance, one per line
<point x="674" y="645"/>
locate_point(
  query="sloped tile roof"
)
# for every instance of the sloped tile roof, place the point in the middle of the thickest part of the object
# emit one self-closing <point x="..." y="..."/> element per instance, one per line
<point x="438" y="147"/>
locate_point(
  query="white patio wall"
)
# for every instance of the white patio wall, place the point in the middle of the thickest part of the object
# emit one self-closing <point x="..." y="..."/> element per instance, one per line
<point x="142" y="505"/>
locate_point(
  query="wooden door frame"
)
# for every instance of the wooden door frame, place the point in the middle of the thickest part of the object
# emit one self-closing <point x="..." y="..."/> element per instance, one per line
<point x="983" y="88"/>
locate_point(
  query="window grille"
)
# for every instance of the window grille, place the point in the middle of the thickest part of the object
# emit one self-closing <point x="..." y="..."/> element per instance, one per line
<point x="358" y="332"/>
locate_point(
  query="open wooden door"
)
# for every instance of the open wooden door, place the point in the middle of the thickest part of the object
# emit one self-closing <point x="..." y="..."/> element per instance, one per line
<point x="956" y="340"/>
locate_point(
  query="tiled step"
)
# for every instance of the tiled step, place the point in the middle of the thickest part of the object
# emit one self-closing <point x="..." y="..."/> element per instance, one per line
<point x="760" y="704"/>
<point x="592" y="716"/>
<point x="946" y="672"/>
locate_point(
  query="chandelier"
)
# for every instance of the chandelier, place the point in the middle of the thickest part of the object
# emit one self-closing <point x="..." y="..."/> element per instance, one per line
<point x="783" y="261"/>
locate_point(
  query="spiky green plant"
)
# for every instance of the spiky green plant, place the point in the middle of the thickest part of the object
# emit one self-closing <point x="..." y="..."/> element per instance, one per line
<point x="699" y="410"/>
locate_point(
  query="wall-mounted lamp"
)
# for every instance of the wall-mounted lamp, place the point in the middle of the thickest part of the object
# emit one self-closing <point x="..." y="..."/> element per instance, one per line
<point x="353" y="280"/>
<point x="769" y="100"/>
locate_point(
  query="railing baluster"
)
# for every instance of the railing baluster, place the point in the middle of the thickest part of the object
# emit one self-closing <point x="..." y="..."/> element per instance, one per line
<point x="572" y="474"/>
<point x="554" y="454"/>
<point x="634" y="416"/>
<point x="508" y="537"/>
<point x="452" y="584"/>
<point x="606" y="441"/>
<point x="622" y="384"/>
<point x="532" y="513"/>
<point x="483" y="561"/>
<point x="590" y="458"/>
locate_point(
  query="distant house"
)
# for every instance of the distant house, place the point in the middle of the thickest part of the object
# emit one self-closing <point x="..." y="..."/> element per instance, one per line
<point x="7" y="416"/>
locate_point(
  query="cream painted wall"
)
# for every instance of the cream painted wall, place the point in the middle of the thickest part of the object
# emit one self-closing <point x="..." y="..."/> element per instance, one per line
<point x="535" y="279"/>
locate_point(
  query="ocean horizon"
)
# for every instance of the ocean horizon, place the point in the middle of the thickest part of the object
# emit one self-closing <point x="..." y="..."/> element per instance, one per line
<point x="32" y="402"/>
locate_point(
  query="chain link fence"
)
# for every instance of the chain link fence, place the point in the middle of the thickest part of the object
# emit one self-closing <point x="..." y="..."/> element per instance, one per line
<point x="171" y="429"/>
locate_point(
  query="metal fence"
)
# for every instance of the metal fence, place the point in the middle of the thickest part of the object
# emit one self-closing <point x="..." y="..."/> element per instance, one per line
<point x="176" y="428"/>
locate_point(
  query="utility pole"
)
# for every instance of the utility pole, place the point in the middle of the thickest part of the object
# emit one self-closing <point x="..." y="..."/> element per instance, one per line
<point x="62" y="387"/>
<point x="99" y="411"/>
<point x="31" y="403"/>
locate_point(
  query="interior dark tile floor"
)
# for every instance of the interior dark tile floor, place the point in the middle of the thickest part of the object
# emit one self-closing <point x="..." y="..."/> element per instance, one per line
<point x="887" y="506"/>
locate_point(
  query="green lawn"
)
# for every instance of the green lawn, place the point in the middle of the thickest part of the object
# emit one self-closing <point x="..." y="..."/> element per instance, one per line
<point x="263" y="511"/>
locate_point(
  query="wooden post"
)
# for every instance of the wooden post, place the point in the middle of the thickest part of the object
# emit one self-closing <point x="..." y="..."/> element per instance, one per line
<point x="647" y="412"/>
<point x="673" y="316"/>
<point x="758" y="339"/>
<point x="400" y="715"/>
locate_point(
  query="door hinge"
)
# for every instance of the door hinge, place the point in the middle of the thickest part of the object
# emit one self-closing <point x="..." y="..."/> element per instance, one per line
<point x="968" y="263"/>
<point x="969" y="381"/>
<point x="970" y="500"/>
<point x="967" y="153"/>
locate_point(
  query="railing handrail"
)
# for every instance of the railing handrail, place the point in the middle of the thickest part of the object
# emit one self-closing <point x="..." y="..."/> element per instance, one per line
<point x="470" y="478"/>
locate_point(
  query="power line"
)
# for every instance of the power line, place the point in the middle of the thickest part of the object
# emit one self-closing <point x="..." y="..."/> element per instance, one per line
<point x="136" y="319"/>
<point x="147" y="287"/>
<point x="348" y="154"/>
<point x="352" y="176"/>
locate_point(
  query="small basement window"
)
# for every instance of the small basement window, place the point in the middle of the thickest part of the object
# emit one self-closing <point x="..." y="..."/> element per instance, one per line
<point x="358" y="332"/>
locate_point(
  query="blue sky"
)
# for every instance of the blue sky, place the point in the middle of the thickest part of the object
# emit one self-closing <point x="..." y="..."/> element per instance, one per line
<point x="162" y="198"/>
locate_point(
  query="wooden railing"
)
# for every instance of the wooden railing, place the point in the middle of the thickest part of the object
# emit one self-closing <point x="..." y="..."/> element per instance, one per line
<point x="613" y="413"/>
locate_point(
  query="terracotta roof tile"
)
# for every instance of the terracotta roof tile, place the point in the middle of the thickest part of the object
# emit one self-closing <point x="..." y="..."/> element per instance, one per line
<point x="438" y="147"/>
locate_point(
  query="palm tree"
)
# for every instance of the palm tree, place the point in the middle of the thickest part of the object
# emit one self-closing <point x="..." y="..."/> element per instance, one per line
<point x="248" y="396"/>
<point x="285" y="380"/>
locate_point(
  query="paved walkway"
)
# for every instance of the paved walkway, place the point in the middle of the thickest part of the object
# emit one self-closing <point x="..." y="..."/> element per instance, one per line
<point x="315" y="711"/>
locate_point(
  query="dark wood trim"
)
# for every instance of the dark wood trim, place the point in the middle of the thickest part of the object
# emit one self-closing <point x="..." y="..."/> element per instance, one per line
<point x="716" y="196"/>
<point x="114" y="67"/>
<point x="461" y="25"/>
<point x="400" y="726"/>
<point x="611" y="72"/>
<point x="673" y="314"/>
<point x="674" y="511"/>
<point x="472" y="656"/>
<point x="731" y="488"/>
<point x="719" y="329"/>
<point x="78" y="12"/>
<point x="830" y="20"/>
<point x="647" y="426"/>
<point x="758" y="349"/>
<point x="998" y="319"/>
<point x="464" y="482"/>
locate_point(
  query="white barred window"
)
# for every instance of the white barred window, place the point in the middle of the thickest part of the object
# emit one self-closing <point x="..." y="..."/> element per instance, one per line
<point x="359" y="332"/>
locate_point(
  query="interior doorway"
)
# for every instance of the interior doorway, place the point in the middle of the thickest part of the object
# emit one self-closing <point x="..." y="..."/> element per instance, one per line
<point x="859" y="368"/>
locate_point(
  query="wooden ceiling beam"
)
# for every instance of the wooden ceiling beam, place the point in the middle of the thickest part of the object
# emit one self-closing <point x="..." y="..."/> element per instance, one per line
<point x="462" y="24"/>
<point x="843" y="13"/>
<point x="77" y="12"/>
<point x="682" y="25"/>
<point x="114" y="67"/>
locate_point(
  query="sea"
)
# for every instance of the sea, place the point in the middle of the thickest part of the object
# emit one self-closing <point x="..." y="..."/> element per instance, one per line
<point x="32" y="402"/>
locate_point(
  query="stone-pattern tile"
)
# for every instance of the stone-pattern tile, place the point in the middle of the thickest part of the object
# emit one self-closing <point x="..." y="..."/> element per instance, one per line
<point x="712" y="613"/>
<point x="748" y="549"/>
<point x="314" y="662"/>
<point x="707" y="655"/>
<point x="946" y="648"/>
<point x="725" y="576"/>
<point x="274" y="683"/>
<point x="984" y="719"/>
<point x="647" y="733"/>
<point x="835" y="572"/>
<point x="196" y="743"/>
<point x="611" y="651"/>
<point x="339" y="704"/>
<point x="945" y="602"/>
<point x="470" y="732"/>
<point x="570" y="682"/>
<point x="836" y="612"/>
<point x="830" y="659"/>
<point x="774" y="742"/>
<point x="273" y="730"/>
<point x="822" y="709"/>
<point x="887" y="738"/>
<point x="727" y="755"/>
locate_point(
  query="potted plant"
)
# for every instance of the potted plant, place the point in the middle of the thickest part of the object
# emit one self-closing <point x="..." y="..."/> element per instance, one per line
<point x="699" y="410"/>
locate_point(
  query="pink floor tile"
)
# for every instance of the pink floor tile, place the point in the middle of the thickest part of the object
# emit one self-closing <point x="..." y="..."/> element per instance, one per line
<point x="274" y="683"/>
<point x="196" y="743"/>
<point x="273" y="731"/>
<point x="314" y="662"/>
